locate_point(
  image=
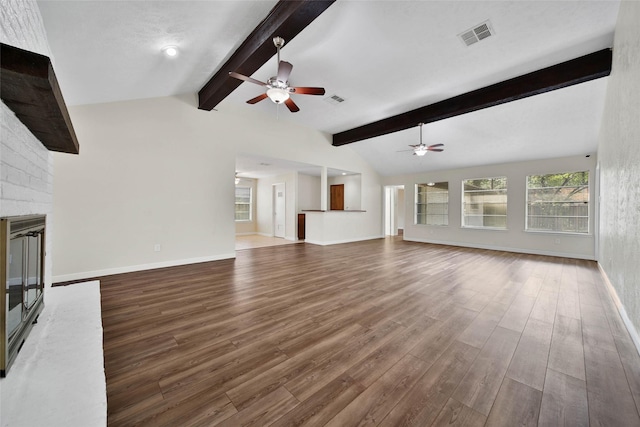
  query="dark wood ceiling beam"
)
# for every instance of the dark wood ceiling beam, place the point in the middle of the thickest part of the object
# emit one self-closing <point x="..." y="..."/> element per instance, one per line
<point x="579" y="70"/>
<point x="30" y="89"/>
<point x="286" y="20"/>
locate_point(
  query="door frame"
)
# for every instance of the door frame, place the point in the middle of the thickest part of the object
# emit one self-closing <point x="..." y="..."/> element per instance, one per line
<point x="274" y="197"/>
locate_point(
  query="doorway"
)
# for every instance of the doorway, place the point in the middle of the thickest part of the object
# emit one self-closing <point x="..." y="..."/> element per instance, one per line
<point x="394" y="210"/>
<point x="279" y="210"/>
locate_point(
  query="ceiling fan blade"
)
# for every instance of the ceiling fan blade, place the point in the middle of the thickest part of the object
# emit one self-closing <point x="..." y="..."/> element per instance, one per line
<point x="435" y="149"/>
<point x="245" y="78"/>
<point x="257" y="99"/>
<point x="436" y="145"/>
<point x="308" y="90"/>
<point x="291" y="105"/>
<point x="284" y="69"/>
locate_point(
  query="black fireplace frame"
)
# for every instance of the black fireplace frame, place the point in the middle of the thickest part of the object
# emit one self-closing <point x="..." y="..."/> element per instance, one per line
<point x="16" y="228"/>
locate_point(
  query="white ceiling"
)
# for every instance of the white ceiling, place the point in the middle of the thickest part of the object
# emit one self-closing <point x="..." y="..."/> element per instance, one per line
<point x="383" y="57"/>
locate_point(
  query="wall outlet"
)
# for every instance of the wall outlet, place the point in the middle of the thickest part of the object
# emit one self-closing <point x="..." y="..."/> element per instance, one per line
<point x="157" y="247"/>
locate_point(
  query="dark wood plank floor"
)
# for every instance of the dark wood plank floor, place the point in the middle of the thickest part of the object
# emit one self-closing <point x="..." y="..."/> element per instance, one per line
<point x="383" y="332"/>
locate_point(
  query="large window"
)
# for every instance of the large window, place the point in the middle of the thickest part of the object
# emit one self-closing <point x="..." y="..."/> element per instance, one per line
<point x="432" y="203"/>
<point x="243" y="203"/>
<point x="558" y="202"/>
<point x="484" y="203"/>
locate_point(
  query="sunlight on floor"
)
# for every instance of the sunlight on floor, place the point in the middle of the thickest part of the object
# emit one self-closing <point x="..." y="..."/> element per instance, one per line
<point x="257" y="241"/>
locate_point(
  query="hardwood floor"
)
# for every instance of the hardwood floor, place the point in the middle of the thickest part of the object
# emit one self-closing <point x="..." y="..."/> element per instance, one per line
<point x="382" y="332"/>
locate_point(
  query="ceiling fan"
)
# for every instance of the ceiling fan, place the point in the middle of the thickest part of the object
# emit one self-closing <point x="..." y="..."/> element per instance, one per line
<point x="422" y="149"/>
<point x="278" y="89"/>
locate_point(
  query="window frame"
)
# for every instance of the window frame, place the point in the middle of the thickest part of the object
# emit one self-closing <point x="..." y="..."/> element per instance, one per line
<point x="250" y="219"/>
<point x="588" y="203"/>
<point x="506" y="202"/>
<point x="427" y="204"/>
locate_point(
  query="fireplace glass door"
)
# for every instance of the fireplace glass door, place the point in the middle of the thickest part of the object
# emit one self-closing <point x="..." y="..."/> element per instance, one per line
<point x="22" y="248"/>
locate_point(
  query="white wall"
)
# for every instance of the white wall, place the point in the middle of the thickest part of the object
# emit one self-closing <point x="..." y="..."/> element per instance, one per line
<point x="161" y="171"/>
<point x="352" y="190"/>
<point x="515" y="238"/>
<point x="308" y="192"/>
<point x="26" y="166"/>
<point x="334" y="227"/>
<point x="619" y="159"/>
<point x="150" y="172"/>
<point x="249" y="227"/>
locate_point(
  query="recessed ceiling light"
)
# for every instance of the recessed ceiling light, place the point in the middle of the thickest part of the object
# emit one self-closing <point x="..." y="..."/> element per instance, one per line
<point x="170" y="51"/>
<point x="344" y="173"/>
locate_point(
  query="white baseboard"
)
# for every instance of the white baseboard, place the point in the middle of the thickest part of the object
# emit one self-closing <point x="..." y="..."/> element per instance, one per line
<point x="501" y="248"/>
<point x="338" y="242"/>
<point x="264" y="234"/>
<point x="140" y="267"/>
<point x="623" y="313"/>
<point x="250" y="233"/>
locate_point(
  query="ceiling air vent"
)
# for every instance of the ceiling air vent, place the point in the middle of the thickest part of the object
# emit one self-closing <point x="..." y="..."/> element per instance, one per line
<point x="477" y="33"/>
<point x="334" y="99"/>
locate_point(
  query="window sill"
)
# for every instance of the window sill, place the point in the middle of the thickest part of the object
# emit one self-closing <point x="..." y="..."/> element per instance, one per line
<point x="560" y="233"/>
<point x="466" y="227"/>
<point x="244" y="220"/>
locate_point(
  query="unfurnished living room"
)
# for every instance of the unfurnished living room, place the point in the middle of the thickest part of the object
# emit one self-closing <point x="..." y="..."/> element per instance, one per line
<point x="329" y="212"/>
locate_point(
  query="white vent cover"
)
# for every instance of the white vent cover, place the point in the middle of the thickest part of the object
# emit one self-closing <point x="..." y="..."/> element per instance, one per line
<point x="334" y="99"/>
<point x="477" y="33"/>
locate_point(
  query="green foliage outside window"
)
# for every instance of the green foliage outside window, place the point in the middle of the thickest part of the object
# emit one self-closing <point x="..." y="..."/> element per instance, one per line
<point x="558" y="202"/>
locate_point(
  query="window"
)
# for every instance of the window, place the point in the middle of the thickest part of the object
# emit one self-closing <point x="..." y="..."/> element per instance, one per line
<point x="484" y="202"/>
<point x="243" y="203"/>
<point x="432" y="203"/>
<point x="558" y="202"/>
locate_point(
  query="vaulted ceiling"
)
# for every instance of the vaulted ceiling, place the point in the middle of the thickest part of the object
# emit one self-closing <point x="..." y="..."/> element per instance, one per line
<point x="383" y="58"/>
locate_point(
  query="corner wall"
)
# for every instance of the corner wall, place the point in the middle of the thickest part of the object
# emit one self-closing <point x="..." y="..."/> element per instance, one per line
<point x="515" y="238"/>
<point x="161" y="171"/>
<point x="619" y="160"/>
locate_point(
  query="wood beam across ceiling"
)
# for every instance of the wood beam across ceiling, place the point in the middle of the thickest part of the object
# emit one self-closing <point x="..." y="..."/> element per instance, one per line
<point x="579" y="70"/>
<point x="286" y="20"/>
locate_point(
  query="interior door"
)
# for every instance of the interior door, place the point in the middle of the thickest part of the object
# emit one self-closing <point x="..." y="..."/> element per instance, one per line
<point x="337" y="197"/>
<point x="279" y="210"/>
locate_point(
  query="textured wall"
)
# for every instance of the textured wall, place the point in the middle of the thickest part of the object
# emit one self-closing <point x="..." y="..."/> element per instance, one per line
<point x="26" y="166"/>
<point x="619" y="158"/>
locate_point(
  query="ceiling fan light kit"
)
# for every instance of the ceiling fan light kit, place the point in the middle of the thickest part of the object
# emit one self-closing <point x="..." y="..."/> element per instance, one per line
<point x="278" y="89"/>
<point x="277" y="95"/>
<point x="422" y="149"/>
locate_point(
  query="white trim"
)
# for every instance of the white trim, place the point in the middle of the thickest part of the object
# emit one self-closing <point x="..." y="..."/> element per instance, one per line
<point x="250" y="233"/>
<point x="338" y="242"/>
<point x="503" y="248"/>
<point x="139" y="267"/>
<point x="264" y="234"/>
<point x="623" y="313"/>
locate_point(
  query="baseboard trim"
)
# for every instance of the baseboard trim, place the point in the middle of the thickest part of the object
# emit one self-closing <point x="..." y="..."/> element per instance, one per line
<point x="140" y="267"/>
<point x="502" y="248"/>
<point x="623" y="313"/>
<point x="339" y="242"/>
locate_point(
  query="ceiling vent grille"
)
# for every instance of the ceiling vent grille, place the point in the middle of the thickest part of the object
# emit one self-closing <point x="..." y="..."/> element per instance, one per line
<point x="334" y="99"/>
<point x="477" y="33"/>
